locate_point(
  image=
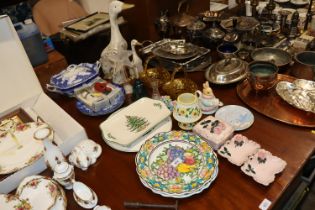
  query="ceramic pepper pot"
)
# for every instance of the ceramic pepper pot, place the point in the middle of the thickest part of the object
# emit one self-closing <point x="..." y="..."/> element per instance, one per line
<point x="208" y="103"/>
<point x="64" y="174"/>
<point x="187" y="111"/>
<point x="52" y="154"/>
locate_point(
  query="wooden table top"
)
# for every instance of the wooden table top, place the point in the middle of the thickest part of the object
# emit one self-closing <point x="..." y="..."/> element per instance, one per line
<point x="114" y="178"/>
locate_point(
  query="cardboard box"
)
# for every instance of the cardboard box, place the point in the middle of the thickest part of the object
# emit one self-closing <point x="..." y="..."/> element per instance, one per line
<point x="20" y="88"/>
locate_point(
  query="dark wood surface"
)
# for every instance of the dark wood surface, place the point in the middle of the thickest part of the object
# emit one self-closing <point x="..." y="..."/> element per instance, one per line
<point x="113" y="177"/>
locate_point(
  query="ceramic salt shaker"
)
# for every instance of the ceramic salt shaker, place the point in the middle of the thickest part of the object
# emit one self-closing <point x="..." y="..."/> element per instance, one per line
<point x="64" y="174"/>
<point x="208" y="103"/>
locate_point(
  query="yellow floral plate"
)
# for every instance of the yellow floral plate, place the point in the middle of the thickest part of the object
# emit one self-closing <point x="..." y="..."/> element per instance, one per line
<point x="176" y="164"/>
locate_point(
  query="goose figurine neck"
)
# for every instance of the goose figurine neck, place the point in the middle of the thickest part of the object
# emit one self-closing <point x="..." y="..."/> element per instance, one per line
<point x="117" y="42"/>
<point x="136" y="63"/>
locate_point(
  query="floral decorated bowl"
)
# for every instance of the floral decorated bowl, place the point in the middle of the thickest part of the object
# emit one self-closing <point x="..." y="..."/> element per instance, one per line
<point x="187" y="110"/>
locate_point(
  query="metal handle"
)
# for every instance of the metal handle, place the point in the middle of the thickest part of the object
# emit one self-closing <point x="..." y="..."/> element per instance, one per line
<point x="136" y="205"/>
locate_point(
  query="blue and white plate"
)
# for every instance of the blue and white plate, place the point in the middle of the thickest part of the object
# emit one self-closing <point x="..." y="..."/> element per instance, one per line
<point x="74" y="76"/>
<point x="117" y="102"/>
<point x="237" y="116"/>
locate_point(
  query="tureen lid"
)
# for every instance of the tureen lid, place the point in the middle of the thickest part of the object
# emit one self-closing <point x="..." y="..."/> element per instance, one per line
<point x="229" y="66"/>
<point x="62" y="168"/>
<point x="227" y="71"/>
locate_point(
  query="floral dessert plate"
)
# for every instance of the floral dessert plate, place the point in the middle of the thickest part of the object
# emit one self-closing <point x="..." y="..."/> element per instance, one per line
<point x="75" y="75"/>
<point x="18" y="148"/>
<point x="238" y="117"/>
<point x="12" y="202"/>
<point x="176" y="164"/>
<point x="116" y="102"/>
<point x="164" y="126"/>
<point x="61" y="200"/>
<point x="134" y="121"/>
<point x="41" y="192"/>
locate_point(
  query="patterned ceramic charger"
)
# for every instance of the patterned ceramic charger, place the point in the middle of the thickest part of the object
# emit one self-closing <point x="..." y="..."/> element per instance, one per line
<point x="42" y="193"/>
<point x="185" y="195"/>
<point x="176" y="164"/>
<point x="164" y="126"/>
<point x="237" y="116"/>
<point x="18" y="148"/>
<point x="117" y="102"/>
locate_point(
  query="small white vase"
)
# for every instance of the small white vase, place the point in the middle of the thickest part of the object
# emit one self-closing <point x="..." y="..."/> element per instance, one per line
<point x="52" y="154"/>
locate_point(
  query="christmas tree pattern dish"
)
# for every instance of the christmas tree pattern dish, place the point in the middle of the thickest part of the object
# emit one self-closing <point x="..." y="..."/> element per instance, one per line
<point x="134" y="121"/>
<point x="136" y="124"/>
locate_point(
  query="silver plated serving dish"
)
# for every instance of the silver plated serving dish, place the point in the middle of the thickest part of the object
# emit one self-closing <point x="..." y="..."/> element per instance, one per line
<point x="196" y="63"/>
<point x="300" y="94"/>
<point x="274" y="55"/>
<point x="176" y="50"/>
<point x="227" y="71"/>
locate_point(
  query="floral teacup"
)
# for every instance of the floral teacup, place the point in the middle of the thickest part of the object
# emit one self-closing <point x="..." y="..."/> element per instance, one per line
<point x="187" y="111"/>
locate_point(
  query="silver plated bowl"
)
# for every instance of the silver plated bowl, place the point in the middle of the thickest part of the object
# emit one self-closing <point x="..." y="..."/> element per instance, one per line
<point x="300" y="93"/>
<point x="274" y="55"/>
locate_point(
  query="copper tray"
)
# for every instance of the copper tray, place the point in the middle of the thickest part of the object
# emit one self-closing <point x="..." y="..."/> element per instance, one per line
<point x="273" y="106"/>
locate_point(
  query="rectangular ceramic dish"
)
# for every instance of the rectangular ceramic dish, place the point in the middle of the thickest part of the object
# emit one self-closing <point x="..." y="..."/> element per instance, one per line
<point x="134" y="121"/>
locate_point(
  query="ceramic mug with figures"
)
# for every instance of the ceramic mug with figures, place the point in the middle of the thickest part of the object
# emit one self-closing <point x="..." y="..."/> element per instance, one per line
<point x="187" y="111"/>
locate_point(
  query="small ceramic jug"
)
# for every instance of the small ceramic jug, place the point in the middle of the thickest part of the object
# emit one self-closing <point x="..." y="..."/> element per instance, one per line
<point x="208" y="103"/>
<point x="84" y="195"/>
<point x="187" y="111"/>
<point x="64" y="174"/>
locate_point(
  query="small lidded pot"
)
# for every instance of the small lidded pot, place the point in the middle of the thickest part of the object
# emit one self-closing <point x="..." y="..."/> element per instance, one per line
<point x="187" y="111"/>
<point x="64" y="174"/>
<point x="262" y="75"/>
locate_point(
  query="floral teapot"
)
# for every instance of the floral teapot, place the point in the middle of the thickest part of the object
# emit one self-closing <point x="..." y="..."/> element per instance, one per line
<point x="208" y="103"/>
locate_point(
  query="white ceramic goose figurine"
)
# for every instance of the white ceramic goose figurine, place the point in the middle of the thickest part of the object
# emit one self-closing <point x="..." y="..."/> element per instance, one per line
<point x="117" y="42"/>
<point x="136" y="63"/>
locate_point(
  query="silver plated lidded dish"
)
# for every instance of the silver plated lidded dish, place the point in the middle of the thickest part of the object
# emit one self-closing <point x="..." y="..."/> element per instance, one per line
<point x="227" y="71"/>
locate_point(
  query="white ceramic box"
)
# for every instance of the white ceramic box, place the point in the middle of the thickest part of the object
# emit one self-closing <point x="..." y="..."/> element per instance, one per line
<point x="20" y="88"/>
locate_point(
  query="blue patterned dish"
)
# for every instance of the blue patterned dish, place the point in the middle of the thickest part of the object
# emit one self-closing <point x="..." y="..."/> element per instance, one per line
<point x="117" y="102"/>
<point x="73" y="77"/>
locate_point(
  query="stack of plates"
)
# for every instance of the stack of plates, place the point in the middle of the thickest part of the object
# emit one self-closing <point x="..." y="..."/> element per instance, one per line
<point x="42" y="193"/>
<point x="176" y="164"/>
